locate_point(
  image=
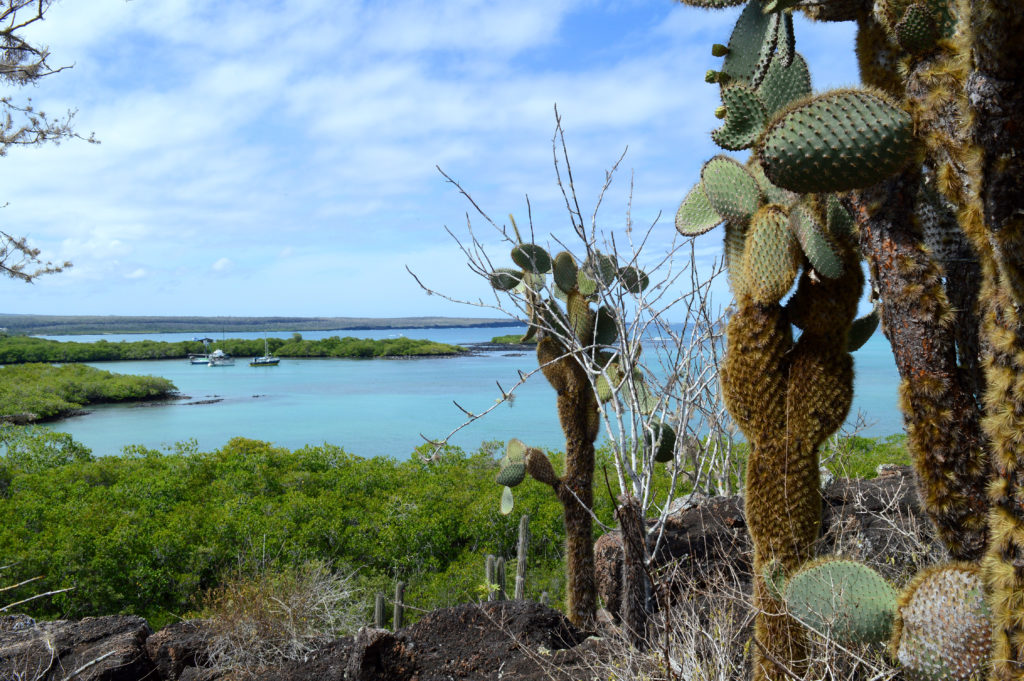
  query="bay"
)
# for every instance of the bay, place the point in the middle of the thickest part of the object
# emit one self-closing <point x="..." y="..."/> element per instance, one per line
<point x="377" y="407"/>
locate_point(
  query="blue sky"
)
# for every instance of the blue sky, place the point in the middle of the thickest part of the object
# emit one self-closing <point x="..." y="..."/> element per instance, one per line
<point x="278" y="157"/>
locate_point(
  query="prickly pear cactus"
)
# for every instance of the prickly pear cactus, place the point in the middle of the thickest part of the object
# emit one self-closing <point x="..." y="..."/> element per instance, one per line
<point x="572" y="331"/>
<point x="846" y="600"/>
<point x="943" y="630"/>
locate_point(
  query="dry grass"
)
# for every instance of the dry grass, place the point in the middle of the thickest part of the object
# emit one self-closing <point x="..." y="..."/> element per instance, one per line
<point x="278" y="616"/>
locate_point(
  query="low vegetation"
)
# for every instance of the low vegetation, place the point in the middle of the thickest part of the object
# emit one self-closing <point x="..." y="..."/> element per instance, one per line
<point x="35" y="392"/>
<point x="513" y="339"/>
<point x="63" y="325"/>
<point x="20" y="349"/>
<point x="149" y="532"/>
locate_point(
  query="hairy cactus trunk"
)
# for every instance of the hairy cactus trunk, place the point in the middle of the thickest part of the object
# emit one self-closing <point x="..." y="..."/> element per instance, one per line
<point x="578" y="415"/>
<point x="940" y="407"/>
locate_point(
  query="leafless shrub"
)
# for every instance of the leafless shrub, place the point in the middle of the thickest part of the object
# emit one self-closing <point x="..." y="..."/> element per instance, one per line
<point x="278" y="616"/>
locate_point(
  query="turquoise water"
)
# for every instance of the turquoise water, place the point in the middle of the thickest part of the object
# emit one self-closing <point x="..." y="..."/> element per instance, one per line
<point x="376" y="407"/>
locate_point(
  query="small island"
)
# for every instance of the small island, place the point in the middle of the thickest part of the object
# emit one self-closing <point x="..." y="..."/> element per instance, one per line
<point x="22" y="349"/>
<point x="31" y="393"/>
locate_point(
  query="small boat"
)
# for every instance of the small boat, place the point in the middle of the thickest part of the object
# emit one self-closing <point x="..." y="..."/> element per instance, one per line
<point x="267" y="360"/>
<point x="218" y="358"/>
<point x="201" y="357"/>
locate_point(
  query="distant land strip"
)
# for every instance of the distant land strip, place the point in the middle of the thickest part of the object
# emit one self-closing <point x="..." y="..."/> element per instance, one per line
<point x="57" y="325"/>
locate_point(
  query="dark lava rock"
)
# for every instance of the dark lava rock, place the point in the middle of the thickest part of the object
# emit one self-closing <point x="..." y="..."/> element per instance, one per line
<point x="177" y="647"/>
<point x="878" y="521"/>
<point x="497" y="640"/>
<point x="97" y="648"/>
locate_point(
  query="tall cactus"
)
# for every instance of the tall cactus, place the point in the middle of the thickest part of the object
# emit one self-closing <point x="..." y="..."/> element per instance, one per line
<point x="955" y="66"/>
<point x="573" y="335"/>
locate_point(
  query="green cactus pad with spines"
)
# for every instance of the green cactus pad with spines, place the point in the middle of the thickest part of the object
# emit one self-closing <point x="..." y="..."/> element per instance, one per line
<point x="861" y="330"/>
<point x="531" y="281"/>
<point x="766" y="54"/>
<point x="505" y="278"/>
<point x="646" y="402"/>
<point x="532" y="258"/>
<point x="917" y="32"/>
<point x="507" y="501"/>
<point x="846" y="600"/>
<point x="511" y="474"/>
<point x="515" y="449"/>
<point x="745" y="118"/>
<point x="602" y="267"/>
<point x="605" y="328"/>
<point x="772" y="193"/>
<point x="735" y="239"/>
<point x="747" y="35"/>
<point x="696" y="215"/>
<point x="731" y="190"/>
<point x="608" y="382"/>
<point x="840" y="222"/>
<point x="782" y="84"/>
<point x="664" y="436"/>
<point x="581" y="317"/>
<point x="944" y="628"/>
<point x="835" y="142"/>
<point x="634" y="279"/>
<point x="564" y="271"/>
<point x="586" y="284"/>
<point x="815" y="243"/>
<point x="787" y="40"/>
<point x="771" y="256"/>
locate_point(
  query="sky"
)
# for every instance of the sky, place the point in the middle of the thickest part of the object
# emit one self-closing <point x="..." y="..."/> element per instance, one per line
<point x="280" y="157"/>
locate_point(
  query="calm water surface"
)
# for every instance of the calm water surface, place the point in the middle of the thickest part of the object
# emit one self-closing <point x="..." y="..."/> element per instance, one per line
<point x="375" y="407"/>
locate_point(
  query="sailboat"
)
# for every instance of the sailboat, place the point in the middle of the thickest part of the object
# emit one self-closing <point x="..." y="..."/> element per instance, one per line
<point x="266" y="360"/>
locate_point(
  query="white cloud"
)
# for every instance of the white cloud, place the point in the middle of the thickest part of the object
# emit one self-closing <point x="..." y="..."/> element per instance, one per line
<point x="137" y="273"/>
<point x="222" y="265"/>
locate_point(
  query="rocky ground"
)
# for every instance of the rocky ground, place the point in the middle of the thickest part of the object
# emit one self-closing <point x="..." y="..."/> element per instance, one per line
<point x="878" y="521"/>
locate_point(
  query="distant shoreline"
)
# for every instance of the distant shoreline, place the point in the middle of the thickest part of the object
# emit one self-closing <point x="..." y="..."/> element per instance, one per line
<point x="60" y="325"/>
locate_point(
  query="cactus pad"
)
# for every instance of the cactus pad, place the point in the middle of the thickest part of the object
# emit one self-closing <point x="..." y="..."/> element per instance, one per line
<point x="772" y="193"/>
<point x="511" y="474"/>
<point x="731" y="190"/>
<point x="839" y="220"/>
<point x="564" y="271"/>
<point x="602" y="267"/>
<point x="586" y="284"/>
<point x="861" y="330"/>
<point x="917" y="32"/>
<point x="664" y="436"/>
<point x="539" y="467"/>
<point x="695" y="215"/>
<point x="581" y="317"/>
<point x="532" y="258"/>
<point x="608" y="382"/>
<point x="735" y="238"/>
<point x="784" y="84"/>
<point x="836" y="141"/>
<point x="605" y="328"/>
<point x="505" y="278"/>
<point x="815" y="243"/>
<point x="634" y="280"/>
<point x="506" y="501"/>
<point x="771" y="258"/>
<point x="844" y="599"/>
<point x="747" y="35"/>
<point x="745" y="118"/>
<point x="944" y="629"/>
